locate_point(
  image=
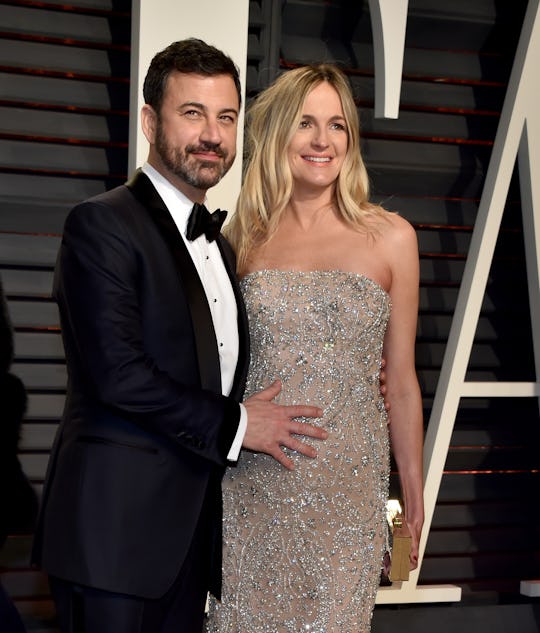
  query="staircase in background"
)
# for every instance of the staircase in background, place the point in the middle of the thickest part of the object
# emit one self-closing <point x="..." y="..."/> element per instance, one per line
<point x="64" y="77"/>
<point x="430" y="166"/>
<point x="64" y="98"/>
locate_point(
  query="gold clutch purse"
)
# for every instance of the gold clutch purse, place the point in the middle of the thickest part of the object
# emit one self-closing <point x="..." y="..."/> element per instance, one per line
<point x="401" y="550"/>
<point x="396" y="559"/>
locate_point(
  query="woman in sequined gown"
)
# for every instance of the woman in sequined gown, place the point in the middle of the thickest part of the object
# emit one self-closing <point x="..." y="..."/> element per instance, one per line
<point x="330" y="283"/>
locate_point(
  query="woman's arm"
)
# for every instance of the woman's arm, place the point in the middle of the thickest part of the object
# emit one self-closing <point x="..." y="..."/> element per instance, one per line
<point x="402" y="389"/>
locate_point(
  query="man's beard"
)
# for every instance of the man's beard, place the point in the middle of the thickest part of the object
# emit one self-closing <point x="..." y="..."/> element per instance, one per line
<point x="193" y="171"/>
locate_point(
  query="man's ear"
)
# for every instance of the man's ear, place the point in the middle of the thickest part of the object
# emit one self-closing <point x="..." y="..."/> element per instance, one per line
<point x="149" y="123"/>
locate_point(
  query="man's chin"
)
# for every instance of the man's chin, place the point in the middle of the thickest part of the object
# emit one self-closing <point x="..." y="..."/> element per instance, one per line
<point x="207" y="183"/>
<point x="208" y="177"/>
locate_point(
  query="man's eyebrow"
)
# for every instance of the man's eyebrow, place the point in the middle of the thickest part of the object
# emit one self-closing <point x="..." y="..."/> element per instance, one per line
<point x="229" y="110"/>
<point x="193" y="104"/>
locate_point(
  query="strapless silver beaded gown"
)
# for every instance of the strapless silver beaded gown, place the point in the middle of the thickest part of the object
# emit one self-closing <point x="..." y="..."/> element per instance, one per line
<point x="303" y="548"/>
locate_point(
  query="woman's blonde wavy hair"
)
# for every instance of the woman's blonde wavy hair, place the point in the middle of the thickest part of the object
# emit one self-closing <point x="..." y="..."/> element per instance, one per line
<point x="271" y="121"/>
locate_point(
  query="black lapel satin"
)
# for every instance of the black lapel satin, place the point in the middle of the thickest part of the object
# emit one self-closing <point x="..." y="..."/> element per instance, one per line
<point x="201" y="317"/>
<point x="243" y="327"/>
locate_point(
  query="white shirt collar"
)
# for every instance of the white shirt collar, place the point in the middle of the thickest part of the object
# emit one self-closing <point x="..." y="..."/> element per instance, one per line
<point x="178" y="204"/>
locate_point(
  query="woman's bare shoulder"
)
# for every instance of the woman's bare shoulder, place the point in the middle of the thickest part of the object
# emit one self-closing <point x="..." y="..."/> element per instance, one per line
<point x="392" y="226"/>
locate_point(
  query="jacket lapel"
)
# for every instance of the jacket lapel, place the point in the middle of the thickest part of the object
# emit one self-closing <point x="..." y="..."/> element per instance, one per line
<point x="201" y="318"/>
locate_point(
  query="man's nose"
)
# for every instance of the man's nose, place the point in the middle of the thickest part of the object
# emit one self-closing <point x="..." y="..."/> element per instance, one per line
<point x="211" y="132"/>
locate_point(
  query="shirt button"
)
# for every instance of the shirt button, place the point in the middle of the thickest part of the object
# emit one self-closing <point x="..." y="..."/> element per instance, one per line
<point x="215" y="300"/>
<point x="221" y="344"/>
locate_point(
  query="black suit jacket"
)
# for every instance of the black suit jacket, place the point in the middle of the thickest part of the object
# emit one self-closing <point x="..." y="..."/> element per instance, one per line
<point x="145" y="432"/>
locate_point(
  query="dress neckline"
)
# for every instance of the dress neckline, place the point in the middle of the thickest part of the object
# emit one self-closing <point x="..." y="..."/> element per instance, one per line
<point x="317" y="272"/>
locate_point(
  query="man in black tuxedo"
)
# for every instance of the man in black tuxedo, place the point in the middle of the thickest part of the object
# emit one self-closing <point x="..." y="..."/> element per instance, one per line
<point x="156" y="343"/>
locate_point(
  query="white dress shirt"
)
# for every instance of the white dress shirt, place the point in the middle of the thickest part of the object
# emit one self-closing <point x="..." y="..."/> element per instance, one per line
<point x="217" y="287"/>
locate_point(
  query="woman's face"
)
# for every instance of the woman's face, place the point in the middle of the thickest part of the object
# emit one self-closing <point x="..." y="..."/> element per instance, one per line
<point x="319" y="145"/>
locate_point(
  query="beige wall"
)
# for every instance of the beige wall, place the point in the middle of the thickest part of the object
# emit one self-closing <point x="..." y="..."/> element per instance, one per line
<point x="157" y="23"/>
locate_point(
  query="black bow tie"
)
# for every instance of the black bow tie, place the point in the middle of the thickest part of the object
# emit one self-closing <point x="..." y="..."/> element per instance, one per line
<point x="201" y="221"/>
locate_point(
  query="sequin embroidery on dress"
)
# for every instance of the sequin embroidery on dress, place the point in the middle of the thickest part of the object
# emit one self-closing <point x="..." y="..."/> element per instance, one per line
<point x="303" y="548"/>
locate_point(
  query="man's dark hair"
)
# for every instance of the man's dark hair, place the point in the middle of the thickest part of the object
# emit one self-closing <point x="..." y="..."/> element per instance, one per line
<point x="186" y="56"/>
